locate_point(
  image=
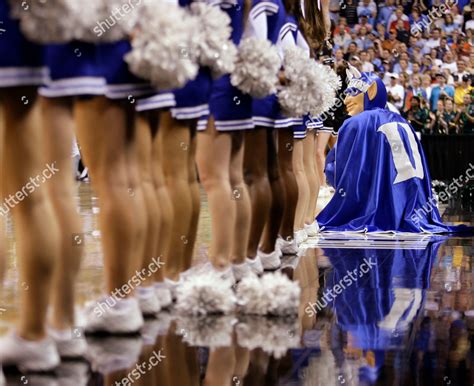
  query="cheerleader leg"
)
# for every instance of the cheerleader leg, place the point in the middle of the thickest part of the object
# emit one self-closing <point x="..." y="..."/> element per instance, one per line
<point x="176" y="139"/>
<point x="58" y="131"/>
<point x="322" y="140"/>
<point x="312" y="176"/>
<point x="285" y="158"/>
<point x="302" y="181"/>
<point x="256" y="178"/>
<point x="242" y="204"/>
<point x="213" y="160"/>
<point x="37" y="246"/>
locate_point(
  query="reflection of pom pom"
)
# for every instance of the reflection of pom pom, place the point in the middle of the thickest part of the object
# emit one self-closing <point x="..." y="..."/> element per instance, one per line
<point x="215" y="48"/>
<point x="256" y="68"/>
<point x="274" y="336"/>
<point x="273" y="294"/>
<point x="209" y="331"/>
<point x="162" y="50"/>
<point x="205" y="293"/>
<point x="311" y="87"/>
<point x="53" y="21"/>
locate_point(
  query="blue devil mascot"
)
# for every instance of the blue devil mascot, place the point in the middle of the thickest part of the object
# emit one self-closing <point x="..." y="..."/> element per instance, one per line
<point x="378" y="169"/>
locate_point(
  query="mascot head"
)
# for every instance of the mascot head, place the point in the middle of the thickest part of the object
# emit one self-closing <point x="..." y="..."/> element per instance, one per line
<point x="365" y="91"/>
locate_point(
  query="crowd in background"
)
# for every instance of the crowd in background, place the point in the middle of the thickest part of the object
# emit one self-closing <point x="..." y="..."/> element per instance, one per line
<point x="423" y="52"/>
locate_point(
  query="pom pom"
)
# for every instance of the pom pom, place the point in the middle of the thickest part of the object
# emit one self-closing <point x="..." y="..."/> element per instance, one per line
<point x="311" y="87"/>
<point x="161" y="50"/>
<point x="215" y="49"/>
<point x="274" y="336"/>
<point x="205" y="293"/>
<point x="256" y="68"/>
<point x="45" y="22"/>
<point x="272" y="294"/>
<point x="208" y="331"/>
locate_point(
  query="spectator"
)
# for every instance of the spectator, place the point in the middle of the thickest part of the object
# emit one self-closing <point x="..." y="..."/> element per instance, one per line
<point x="402" y="33"/>
<point x="385" y="11"/>
<point x="417" y="88"/>
<point x="438" y="124"/>
<point x="427" y="63"/>
<point x="450" y="116"/>
<point x="351" y="51"/>
<point x="464" y="87"/>
<point x="434" y="57"/>
<point x="391" y="42"/>
<point x="415" y="69"/>
<point x="449" y="25"/>
<point x="339" y="56"/>
<point x="442" y="49"/>
<point x="363" y="41"/>
<point x="382" y="31"/>
<point x="342" y="39"/>
<point x="434" y="40"/>
<point x="461" y="68"/>
<point x="369" y="9"/>
<point x="470" y="23"/>
<point x="334" y="9"/>
<point x="363" y="22"/>
<point x="396" y="93"/>
<point x="465" y="116"/>
<point x="367" y="66"/>
<point x="426" y="85"/>
<point x="449" y="63"/>
<point x="457" y="17"/>
<point x="402" y="66"/>
<point x="442" y="90"/>
<point x="398" y="15"/>
<point x="350" y="13"/>
<point x="418" y="116"/>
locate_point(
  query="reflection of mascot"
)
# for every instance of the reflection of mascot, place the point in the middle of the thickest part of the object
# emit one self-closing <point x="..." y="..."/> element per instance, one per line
<point x="378" y="168"/>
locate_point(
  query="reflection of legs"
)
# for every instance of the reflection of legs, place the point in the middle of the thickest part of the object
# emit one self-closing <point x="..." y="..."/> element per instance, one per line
<point x="102" y="133"/>
<point x="58" y="131"/>
<point x="311" y="174"/>
<point x="220" y="367"/>
<point x="144" y="144"/>
<point x="321" y="142"/>
<point x="37" y="244"/>
<point x="175" y="143"/>
<point x="272" y="225"/>
<point x="256" y="177"/>
<point x="285" y="158"/>
<point x="213" y="161"/>
<point x="195" y="200"/>
<point x="302" y="181"/>
<point x="242" y="200"/>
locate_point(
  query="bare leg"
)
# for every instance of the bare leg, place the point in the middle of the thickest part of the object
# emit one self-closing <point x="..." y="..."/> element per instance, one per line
<point x="213" y="161"/>
<point x="176" y="138"/>
<point x="285" y="158"/>
<point x="272" y="226"/>
<point x="58" y="131"/>
<point x="311" y="174"/>
<point x="220" y="367"/>
<point x="195" y="200"/>
<point x="256" y="178"/>
<point x="37" y="244"/>
<point x="242" y="200"/>
<point x="102" y="133"/>
<point x="321" y="142"/>
<point x="302" y="181"/>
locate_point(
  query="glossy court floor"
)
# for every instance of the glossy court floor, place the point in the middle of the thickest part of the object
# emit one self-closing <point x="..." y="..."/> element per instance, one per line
<point x="374" y="311"/>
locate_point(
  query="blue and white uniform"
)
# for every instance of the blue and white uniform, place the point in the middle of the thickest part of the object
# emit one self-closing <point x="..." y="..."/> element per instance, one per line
<point x="188" y="102"/>
<point x="21" y="62"/>
<point x="266" y="20"/>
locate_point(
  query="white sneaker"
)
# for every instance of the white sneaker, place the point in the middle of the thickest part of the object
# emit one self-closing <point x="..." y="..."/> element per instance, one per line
<point x="270" y="261"/>
<point x="226" y="274"/>
<point x="241" y="270"/>
<point x="72" y="373"/>
<point x="172" y="286"/>
<point x="149" y="303"/>
<point x="287" y="247"/>
<point x="312" y="229"/>
<point x="70" y="343"/>
<point x="255" y="265"/>
<point x="300" y="236"/>
<point x="121" y="316"/>
<point x="28" y="355"/>
<point x="163" y="294"/>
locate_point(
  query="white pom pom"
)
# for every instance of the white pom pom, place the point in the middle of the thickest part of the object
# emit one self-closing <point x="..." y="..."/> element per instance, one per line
<point x="256" y="68"/>
<point x="205" y="293"/>
<point x="208" y="331"/>
<point x="162" y="50"/>
<point x="273" y="294"/>
<point x="311" y="87"/>
<point x="215" y="49"/>
<point x="274" y="336"/>
<point x="46" y="22"/>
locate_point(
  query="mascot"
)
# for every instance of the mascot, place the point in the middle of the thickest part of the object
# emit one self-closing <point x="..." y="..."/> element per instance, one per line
<point x="378" y="169"/>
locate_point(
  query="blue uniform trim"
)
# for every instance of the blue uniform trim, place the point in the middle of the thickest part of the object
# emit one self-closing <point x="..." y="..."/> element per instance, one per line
<point x="160" y="101"/>
<point x="74" y="86"/>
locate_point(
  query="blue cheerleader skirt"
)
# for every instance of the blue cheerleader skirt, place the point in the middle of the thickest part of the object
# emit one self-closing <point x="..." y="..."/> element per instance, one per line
<point x="189" y="102"/>
<point x="299" y="131"/>
<point x="230" y="108"/>
<point x="121" y="83"/>
<point x="313" y="123"/>
<point x="73" y="69"/>
<point x="21" y="62"/>
<point x="267" y="113"/>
